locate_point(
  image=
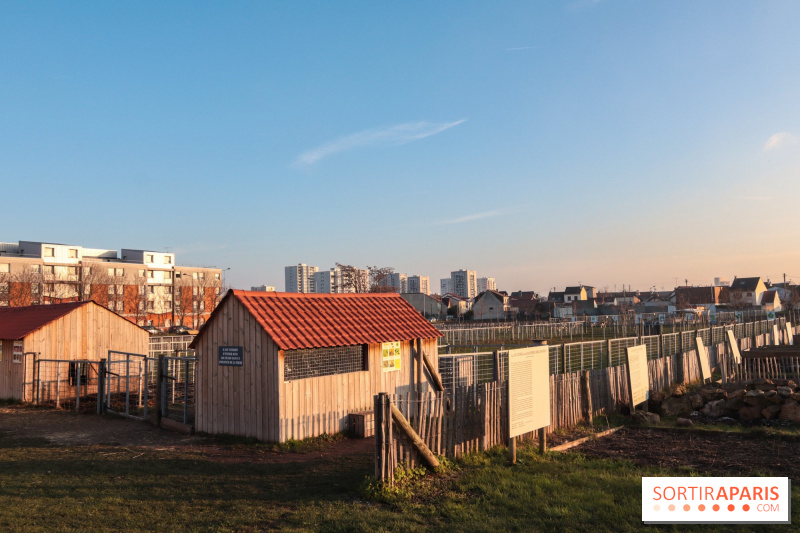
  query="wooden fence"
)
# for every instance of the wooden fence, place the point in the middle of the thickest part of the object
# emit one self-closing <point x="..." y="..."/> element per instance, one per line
<point x="475" y="417"/>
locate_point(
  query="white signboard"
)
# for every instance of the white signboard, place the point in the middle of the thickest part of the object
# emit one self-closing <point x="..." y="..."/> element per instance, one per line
<point x="776" y="337"/>
<point x="702" y="359"/>
<point x="528" y="390"/>
<point x="789" y="334"/>
<point x="737" y="355"/>
<point x="638" y="380"/>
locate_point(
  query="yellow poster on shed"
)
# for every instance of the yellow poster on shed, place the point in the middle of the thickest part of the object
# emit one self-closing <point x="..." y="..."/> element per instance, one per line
<point x="390" y="356"/>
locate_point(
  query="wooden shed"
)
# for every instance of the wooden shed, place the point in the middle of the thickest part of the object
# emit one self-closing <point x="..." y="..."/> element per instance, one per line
<point x="75" y="331"/>
<point x="280" y="366"/>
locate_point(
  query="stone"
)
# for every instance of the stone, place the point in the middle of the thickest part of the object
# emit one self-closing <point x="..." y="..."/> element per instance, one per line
<point x="734" y="404"/>
<point x="790" y="411"/>
<point x="646" y="419"/>
<point x="738" y="393"/>
<point x="795" y="396"/>
<point x="749" y="413"/>
<point x="771" y="411"/>
<point x="728" y="421"/>
<point x="773" y="397"/>
<point x="711" y="394"/>
<point x="754" y="398"/>
<point x="683" y="423"/>
<point x="680" y="406"/>
<point x="766" y="386"/>
<point x="715" y="409"/>
<point x="785" y="391"/>
<point x="655" y="400"/>
<point x="697" y="401"/>
<point x="679" y="391"/>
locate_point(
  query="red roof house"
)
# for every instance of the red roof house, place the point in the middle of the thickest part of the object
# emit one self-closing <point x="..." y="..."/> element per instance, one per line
<point x="279" y="366"/>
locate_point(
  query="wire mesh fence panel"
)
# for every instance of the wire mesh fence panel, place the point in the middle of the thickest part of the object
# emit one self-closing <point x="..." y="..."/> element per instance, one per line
<point x="178" y="396"/>
<point x="66" y="384"/>
<point x="687" y="341"/>
<point x="653" y="346"/>
<point x="618" y="350"/>
<point x="126" y="389"/>
<point x="670" y="343"/>
<point x="168" y="344"/>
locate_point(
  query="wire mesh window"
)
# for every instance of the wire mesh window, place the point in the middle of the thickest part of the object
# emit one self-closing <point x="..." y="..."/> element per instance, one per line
<point x="316" y="362"/>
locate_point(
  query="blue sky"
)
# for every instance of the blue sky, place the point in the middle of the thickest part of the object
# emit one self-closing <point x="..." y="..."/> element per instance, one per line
<point x="540" y="143"/>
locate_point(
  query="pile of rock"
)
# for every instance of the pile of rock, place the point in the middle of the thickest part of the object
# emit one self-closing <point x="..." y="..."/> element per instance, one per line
<point x="749" y="401"/>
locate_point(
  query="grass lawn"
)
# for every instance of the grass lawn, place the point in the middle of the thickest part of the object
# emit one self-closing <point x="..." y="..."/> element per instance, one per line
<point x="113" y="488"/>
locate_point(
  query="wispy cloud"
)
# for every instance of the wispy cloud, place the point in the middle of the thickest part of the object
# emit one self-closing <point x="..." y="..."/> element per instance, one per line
<point x="780" y="140"/>
<point x="475" y="216"/>
<point x="387" y="136"/>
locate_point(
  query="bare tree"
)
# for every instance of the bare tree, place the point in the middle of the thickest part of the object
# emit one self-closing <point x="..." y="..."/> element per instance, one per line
<point x="25" y="287"/>
<point x="353" y="279"/>
<point x="379" y="278"/>
<point x="183" y="300"/>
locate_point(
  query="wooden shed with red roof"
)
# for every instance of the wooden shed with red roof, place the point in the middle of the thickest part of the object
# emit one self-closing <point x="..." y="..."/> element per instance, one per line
<point x="280" y="366"/>
<point x="75" y="331"/>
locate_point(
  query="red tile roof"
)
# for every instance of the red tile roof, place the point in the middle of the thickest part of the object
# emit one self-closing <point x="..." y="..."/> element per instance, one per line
<point x="295" y="320"/>
<point x="17" y="322"/>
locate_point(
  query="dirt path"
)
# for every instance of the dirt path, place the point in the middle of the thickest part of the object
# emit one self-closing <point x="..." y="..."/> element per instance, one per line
<point x="28" y="426"/>
<point x="725" y="454"/>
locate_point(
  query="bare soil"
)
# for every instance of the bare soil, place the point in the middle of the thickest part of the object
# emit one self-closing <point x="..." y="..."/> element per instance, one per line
<point x="718" y="453"/>
<point x="30" y="426"/>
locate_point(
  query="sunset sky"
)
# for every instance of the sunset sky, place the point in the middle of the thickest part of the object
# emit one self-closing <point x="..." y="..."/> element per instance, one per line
<point x="540" y="143"/>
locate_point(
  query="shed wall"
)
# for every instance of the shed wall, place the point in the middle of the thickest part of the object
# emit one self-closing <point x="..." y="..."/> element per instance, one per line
<point x="237" y="400"/>
<point x="314" y="406"/>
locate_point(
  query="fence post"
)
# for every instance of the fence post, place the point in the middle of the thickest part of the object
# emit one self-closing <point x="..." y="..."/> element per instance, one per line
<point x="564" y="358"/>
<point x="159" y="389"/>
<point x="586" y="395"/>
<point x="101" y="384"/>
<point x="37" y="380"/>
<point x="380" y="438"/>
<point x="78" y="386"/>
<point x="608" y="351"/>
<point x="185" y="391"/>
<point x="496" y="365"/>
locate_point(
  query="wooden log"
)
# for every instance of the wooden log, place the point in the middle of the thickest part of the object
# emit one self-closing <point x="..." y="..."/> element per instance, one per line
<point x="435" y="377"/>
<point x="427" y="456"/>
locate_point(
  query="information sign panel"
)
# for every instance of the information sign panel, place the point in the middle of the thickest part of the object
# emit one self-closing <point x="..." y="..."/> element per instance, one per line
<point x="638" y="380"/>
<point x="231" y="356"/>
<point x="737" y="355"/>
<point x="702" y="359"/>
<point x="390" y="356"/>
<point x="528" y="390"/>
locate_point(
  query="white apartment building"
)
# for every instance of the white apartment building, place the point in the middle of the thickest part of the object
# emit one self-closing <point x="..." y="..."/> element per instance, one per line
<point x="300" y="278"/>
<point x="465" y="283"/>
<point x="445" y="286"/>
<point x="329" y="281"/>
<point x="399" y="282"/>
<point x="144" y="286"/>
<point x="486" y="284"/>
<point x="419" y="285"/>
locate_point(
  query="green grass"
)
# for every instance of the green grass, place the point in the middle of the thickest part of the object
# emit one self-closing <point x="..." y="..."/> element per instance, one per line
<point x="45" y="488"/>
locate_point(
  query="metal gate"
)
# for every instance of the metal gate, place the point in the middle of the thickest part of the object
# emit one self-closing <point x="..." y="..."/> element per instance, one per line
<point x="178" y="388"/>
<point x="66" y="383"/>
<point x="127" y="384"/>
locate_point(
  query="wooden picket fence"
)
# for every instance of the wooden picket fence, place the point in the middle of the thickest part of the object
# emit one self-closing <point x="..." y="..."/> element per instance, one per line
<point x="475" y="418"/>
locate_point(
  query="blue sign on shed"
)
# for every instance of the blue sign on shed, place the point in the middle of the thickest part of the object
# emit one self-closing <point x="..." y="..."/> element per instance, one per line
<point x="230" y="356"/>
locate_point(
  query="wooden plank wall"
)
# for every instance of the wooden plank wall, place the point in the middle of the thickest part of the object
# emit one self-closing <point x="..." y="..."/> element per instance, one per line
<point x="315" y="406"/>
<point x="234" y="400"/>
<point x="11" y="373"/>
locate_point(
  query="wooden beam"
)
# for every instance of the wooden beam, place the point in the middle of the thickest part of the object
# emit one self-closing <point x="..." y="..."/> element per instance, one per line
<point x="435" y="377"/>
<point x="427" y="456"/>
